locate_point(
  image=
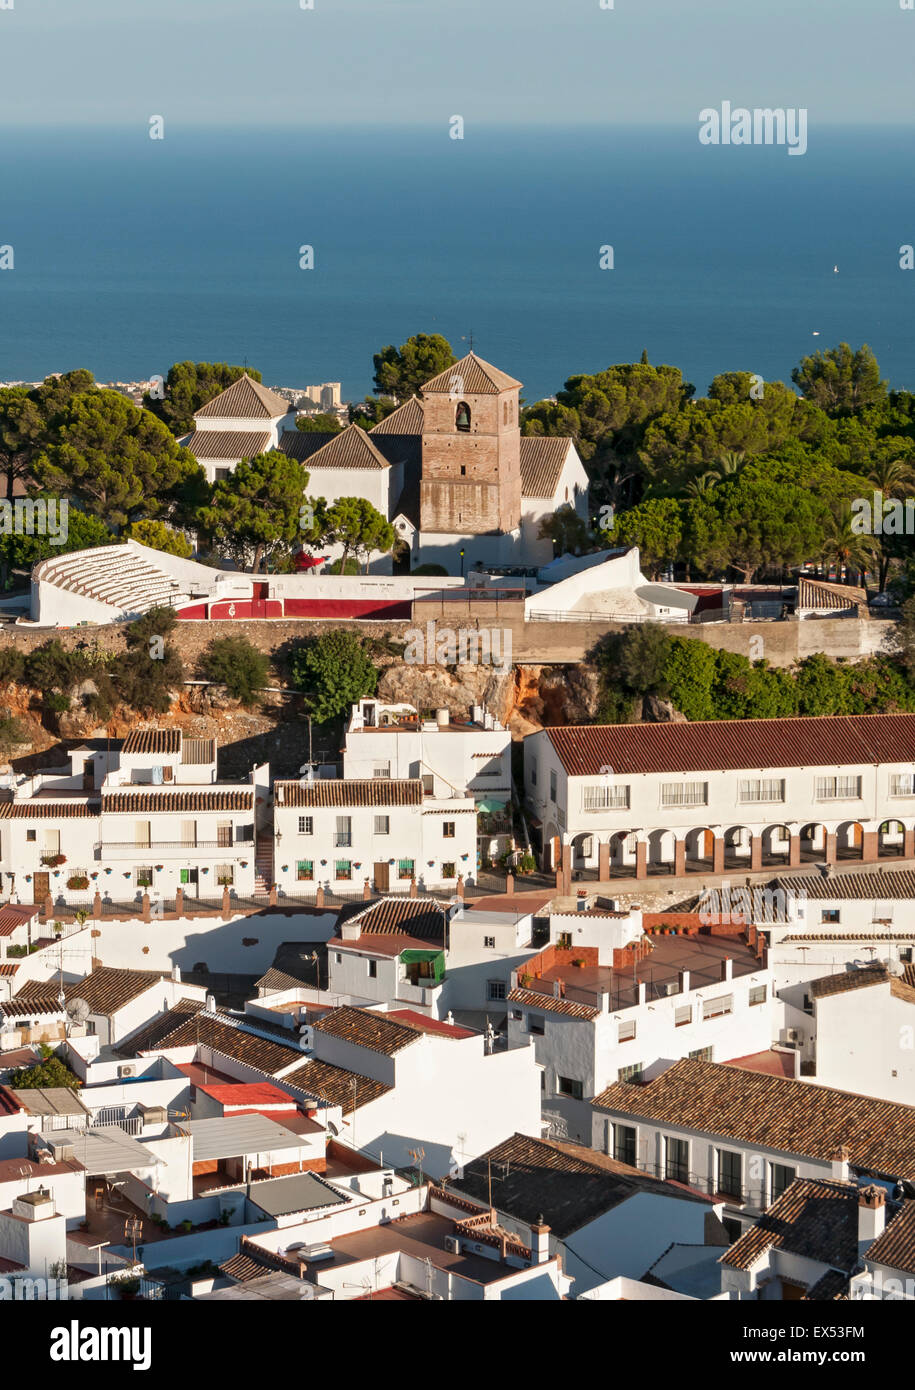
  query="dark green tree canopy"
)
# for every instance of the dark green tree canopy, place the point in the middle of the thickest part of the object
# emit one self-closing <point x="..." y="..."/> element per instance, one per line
<point x="255" y="512"/>
<point x="333" y="671"/>
<point x="188" y="387"/>
<point x="401" y="372"/>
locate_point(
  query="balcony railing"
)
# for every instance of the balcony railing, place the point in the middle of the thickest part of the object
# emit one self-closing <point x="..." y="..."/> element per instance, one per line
<point x="121" y="849"/>
<point x="343" y="839"/>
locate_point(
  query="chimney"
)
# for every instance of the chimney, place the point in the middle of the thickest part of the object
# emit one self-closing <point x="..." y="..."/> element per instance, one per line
<point x="643" y="991"/>
<point x="176" y="974"/>
<point x="840" y="1165"/>
<point x="683" y="981"/>
<point x="540" y="1242"/>
<point x="727" y="968"/>
<point x="871" y="1214"/>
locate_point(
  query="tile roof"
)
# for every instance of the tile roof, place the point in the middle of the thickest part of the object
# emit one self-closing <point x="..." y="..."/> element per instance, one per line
<point x="830" y="1286"/>
<point x="424" y="1024"/>
<point x="228" y="444"/>
<point x="416" y="917"/>
<point x="367" y="1028"/>
<point x="33" y="809"/>
<point x="814" y="1218"/>
<point x="9" y="1105"/>
<point x="107" y="989"/>
<point x="152" y="741"/>
<point x="564" y="1185"/>
<point x="406" y="419"/>
<point x="471" y="376"/>
<point x="734" y="744"/>
<point x="335" y="1085"/>
<point x="861" y="885"/>
<point x="551" y="1004"/>
<point x="301" y="444"/>
<point x="351" y="448"/>
<point x="774" y="1112"/>
<point x="241" y="1268"/>
<point x="339" y="791"/>
<point x="273" y="979"/>
<point x="146" y="1038"/>
<point x="20" y="1007"/>
<point x="245" y="399"/>
<point x="175" y="802"/>
<point x="896" y="1246"/>
<point x="205" y="1029"/>
<point x="815" y="593"/>
<point x="12" y="917"/>
<point x="542" y="458"/>
<point x="847" y="980"/>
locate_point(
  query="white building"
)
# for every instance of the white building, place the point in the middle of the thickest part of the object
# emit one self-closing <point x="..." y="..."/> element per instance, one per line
<point x="143" y="816"/>
<point x="719" y="796"/>
<point x="244" y="420"/>
<point x="342" y="834"/>
<point x="861" y="1036"/>
<point x="608" y="586"/>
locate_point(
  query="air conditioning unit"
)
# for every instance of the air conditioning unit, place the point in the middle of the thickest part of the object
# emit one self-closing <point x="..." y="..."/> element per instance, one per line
<point x="453" y="1244"/>
<point x="671" y="988"/>
<point x="128" y="1069"/>
<point x="794" y="1035"/>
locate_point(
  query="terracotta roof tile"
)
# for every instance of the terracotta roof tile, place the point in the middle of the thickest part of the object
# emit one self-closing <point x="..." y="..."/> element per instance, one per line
<point x="107" y="989"/>
<point x="471" y="376"/>
<point x="542" y="458"/>
<point x="351" y="448"/>
<point x="814" y="1218"/>
<point x="735" y="744"/>
<point x="245" y="399"/>
<point x="847" y="980"/>
<point x="175" y="802"/>
<point x="228" y="444"/>
<point x="335" y="1085"/>
<point x="858" y="885"/>
<point x="797" y="1117"/>
<point x="367" y="1028"/>
<point x="337" y="791"/>
<point x="13" y="916"/>
<point x="416" y="917"/>
<point x="896" y="1247"/>
<point x="548" y="1003"/>
<point x="152" y="741"/>
<point x="406" y="419"/>
<point x="35" y="809"/>
<point x="220" y="1035"/>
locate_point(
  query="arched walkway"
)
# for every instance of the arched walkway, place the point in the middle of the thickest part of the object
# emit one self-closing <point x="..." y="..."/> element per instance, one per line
<point x="776" y="844"/>
<point x="850" y="840"/>
<point x="891" y="839"/>
<point x="814" y="843"/>
<point x="584" y="852"/>
<point x="622" y="853"/>
<point x="700" y="850"/>
<point x="737" y="847"/>
<point x="661" y="852"/>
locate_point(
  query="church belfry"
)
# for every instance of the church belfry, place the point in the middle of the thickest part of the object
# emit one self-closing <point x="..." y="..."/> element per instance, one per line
<point x="471" y="451"/>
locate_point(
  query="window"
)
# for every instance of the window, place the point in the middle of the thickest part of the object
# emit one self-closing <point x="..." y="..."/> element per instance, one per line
<point x="605" y="798"/>
<point x="902" y="784"/>
<point x="343" y="868"/>
<point x="462" y="418"/>
<point x="31" y="836"/>
<point x="762" y="789"/>
<point x="568" y="1086"/>
<point x="428" y="784"/>
<point x="730" y="1173"/>
<point x="533" y="772"/>
<point x="676" y="1159"/>
<point x="373" y="969"/>
<point x="405" y="868"/>
<point x="758" y="994"/>
<point x="536" y="1025"/>
<point x="382" y="825"/>
<point x="221" y="474"/>
<point x="683" y="1015"/>
<point x="448" y="829"/>
<point x="780" y="1177"/>
<point x="624" y="1144"/>
<point x="838" y="788"/>
<point x="343" y="835"/>
<point x="448" y="871"/>
<point x="631" y="1073"/>
<point x="489" y="943"/>
<point x="493" y="769"/>
<point x="338" y="958"/>
<point x="626" y="1032"/>
<point x="141" y="833"/>
<point x="495" y="989"/>
<point x="143" y="877"/>
<point x="684" y="793"/>
<point x="382" y="770"/>
<point x="189" y="832"/>
<point x="463" y="470"/>
<point x="305" y="870"/>
<point x="552" y="786"/>
<point x="225" y="875"/>
<point x="702" y="1054"/>
<point x="717" y="1008"/>
<point x="830" y="914"/>
<point x="306" y="825"/>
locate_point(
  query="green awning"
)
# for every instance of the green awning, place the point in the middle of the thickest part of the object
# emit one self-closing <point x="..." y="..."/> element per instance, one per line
<point x="490" y="804"/>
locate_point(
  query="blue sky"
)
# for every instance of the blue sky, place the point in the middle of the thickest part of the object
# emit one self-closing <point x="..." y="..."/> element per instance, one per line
<point x="383" y="62"/>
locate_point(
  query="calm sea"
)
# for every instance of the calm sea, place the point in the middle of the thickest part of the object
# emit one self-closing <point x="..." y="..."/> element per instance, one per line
<point x="132" y="253"/>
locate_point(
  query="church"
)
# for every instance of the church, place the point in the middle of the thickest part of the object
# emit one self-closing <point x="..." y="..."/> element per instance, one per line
<point x="449" y="468"/>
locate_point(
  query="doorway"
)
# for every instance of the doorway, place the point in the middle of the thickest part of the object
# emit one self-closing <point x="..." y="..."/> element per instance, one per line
<point x="41" y="886"/>
<point x="382" y="877"/>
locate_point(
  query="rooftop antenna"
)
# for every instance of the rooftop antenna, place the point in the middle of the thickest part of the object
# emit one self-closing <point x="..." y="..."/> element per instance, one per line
<point x="77" y="1010"/>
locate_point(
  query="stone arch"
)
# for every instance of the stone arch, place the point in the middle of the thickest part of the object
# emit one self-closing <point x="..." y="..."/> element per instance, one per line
<point x="814" y="841"/>
<point x="661" y="854"/>
<point x="462" y="417"/>
<point x="891" y="838"/>
<point x="700" y="848"/>
<point x="738" y="847"/>
<point x="776" y="844"/>
<point x="850" y="840"/>
<point x="622" y="854"/>
<point x="584" y="850"/>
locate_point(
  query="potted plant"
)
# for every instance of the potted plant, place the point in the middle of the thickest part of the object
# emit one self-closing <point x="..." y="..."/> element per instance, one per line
<point x="53" y="861"/>
<point x="77" y="882"/>
<point x="525" y="981"/>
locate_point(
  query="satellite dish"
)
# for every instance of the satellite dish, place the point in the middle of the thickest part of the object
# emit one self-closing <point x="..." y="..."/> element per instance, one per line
<point x="77" y="1010"/>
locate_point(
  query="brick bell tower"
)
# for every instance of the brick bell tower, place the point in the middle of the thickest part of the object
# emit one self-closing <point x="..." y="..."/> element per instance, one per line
<point x="471" y="459"/>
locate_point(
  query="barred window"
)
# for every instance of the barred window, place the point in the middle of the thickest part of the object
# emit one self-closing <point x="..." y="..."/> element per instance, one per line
<point x="382" y="825"/>
<point x="762" y="789"/>
<point x="306" y="825"/>
<point x="605" y="798"/>
<point x="758" y="994"/>
<point x="902" y="784"/>
<point x="717" y="1008"/>
<point x="683" y="1015"/>
<point x="343" y="869"/>
<point x="838" y="788"/>
<point x="684" y="793"/>
<point x="305" y="870"/>
<point x="630" y="1073"/>
<point x="626" y="1032"/>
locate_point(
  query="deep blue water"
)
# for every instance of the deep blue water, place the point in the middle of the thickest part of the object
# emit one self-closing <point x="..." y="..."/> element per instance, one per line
<point x="132" y="253"/>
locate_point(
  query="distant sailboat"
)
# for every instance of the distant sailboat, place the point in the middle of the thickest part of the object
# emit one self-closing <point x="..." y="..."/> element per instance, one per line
<point x="835" y="270"/>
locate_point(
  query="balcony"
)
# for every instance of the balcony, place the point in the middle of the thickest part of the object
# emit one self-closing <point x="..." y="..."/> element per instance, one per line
<point x="171" y="849"/>
<point x="343" y="839"/>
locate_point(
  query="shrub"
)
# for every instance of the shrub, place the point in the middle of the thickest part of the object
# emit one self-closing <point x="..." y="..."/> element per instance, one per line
<point x="430" y="570"/>
<point x="238" y="665"/>
<point x="78" y="881"/>
<point x="11" y="734"/>
<point x="12" y="664"/>
<point x="333" y="671"/>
